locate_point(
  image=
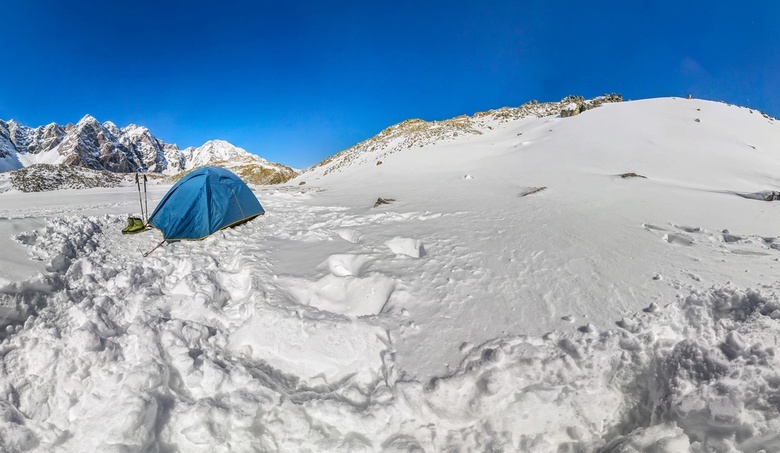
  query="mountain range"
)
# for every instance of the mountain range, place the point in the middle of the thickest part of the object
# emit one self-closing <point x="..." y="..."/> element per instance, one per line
<point x="93" y="145"/>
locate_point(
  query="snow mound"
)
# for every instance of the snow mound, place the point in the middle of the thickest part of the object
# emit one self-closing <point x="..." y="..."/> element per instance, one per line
<point x="342" y="292"/>
<point x="406" y="246"/>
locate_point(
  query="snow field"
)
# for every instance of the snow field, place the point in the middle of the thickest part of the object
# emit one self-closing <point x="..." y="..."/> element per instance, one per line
<point x="200" y="351"/>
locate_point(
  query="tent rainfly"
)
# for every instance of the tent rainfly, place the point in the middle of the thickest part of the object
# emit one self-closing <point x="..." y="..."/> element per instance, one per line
<point x="203" y="202"/>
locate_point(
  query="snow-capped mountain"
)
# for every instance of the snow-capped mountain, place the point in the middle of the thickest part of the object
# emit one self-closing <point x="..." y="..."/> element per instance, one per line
<point x="212" y="151"/>
<point x="250" y="168"/>
<point x="103" y="146"/>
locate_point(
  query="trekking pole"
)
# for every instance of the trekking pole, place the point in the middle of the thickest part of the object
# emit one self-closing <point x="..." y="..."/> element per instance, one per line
<point x="138" y="185"/>
<point x="146" y="203"/>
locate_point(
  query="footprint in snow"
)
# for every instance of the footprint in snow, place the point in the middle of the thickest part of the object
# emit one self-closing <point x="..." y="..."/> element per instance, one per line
<point x="342" y="265"/>
<point x="651" y="227"/>
<point x="688" y="229"/>
<point x="348" y="235"/>
<point x="725" y="237"/>
<point x="749" y="253"/>
<point x="678" y="239"/>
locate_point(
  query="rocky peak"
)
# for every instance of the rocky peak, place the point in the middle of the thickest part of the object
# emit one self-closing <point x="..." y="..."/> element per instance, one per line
<point x="20" y="136"/>
<point x="111" y="127"/>
<point x="88" y="119"/>
<point x="134" y="130"/>
<point x="4" y="129"/>
<point x="174" y="157"/>
<point x="49" y="136"/>
<point x="7" y="148"/>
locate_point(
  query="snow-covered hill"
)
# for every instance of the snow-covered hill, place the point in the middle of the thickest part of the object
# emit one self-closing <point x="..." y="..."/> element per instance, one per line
<point x="600" y="282"/>
<point x="104" y="147"/>
<point x="417" y="133"/>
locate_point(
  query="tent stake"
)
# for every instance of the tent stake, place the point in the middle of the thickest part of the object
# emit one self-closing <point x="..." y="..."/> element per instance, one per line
<point x="155" y="248"/>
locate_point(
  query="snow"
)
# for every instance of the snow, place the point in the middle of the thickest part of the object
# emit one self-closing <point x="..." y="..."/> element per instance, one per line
<point x="52" y="156"/>
<point x="543" y="303"/>
<point x="406" y="246"/>
<point x="8" y="158"/>
<point x="10" y="162"/>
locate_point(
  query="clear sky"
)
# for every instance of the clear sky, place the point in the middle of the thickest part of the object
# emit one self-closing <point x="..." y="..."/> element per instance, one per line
<point x="298" y="81"/>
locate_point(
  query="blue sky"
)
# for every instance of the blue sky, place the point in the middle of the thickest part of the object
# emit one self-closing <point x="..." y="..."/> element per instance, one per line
<point x="296" y="82"/>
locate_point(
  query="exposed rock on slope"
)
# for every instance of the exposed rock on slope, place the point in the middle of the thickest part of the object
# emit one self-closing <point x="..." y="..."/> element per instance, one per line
<point x="253" y="173"/>
<point x="579" y="104"/>
<point x="45" y="177"/>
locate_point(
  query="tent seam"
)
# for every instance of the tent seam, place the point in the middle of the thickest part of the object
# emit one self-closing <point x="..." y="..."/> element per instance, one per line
<point x="237" y="202"/>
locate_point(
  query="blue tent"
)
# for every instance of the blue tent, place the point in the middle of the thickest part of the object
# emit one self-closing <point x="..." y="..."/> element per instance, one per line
<point x="204" y="201"/>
